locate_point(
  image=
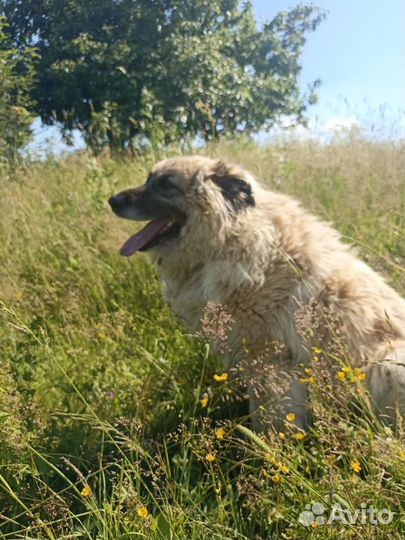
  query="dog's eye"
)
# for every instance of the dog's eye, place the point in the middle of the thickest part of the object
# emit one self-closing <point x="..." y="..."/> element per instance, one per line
<point x="164" y="182"/>
<point x="166" y="185"/>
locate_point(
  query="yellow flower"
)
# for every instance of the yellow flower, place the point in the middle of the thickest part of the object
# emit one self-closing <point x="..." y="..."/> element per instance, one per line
<point x="142" y="512"/>
<point x="355" y="465"/>
<point x="291" y="417"/>
<point x="314" y="525"/>
<point x="347" y="369"/>
<point x="204" y="402"/>
<point x="86" y="491"/>
<point x="299" y="436"/>
<point x="316" y="350"/>
<point x="402" y="454"/>
<point x="360" y="376"/>
<point x="270" y="459"/>
<point x="341" y="375"/>
<point x="221" y="378"/>
<point x="309" y="380"/>
<point x="210" y="457"/>
<point x="284" y="469"/>
<point x="220" y="433"/>
<point x="307" y="371"/>
<point x="276" y="478"/>
<point x="315" y="358"/>
<point x="281" y="435"/>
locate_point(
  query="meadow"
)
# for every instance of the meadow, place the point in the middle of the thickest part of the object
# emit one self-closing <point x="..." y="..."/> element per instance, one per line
<point x="112" y="424"/>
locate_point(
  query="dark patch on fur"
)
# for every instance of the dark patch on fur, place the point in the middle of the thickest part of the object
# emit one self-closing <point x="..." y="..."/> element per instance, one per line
<point x="235" y="190"/>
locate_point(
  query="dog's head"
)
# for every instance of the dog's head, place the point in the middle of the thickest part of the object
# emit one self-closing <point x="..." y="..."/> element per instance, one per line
<point x="180" y="195"/>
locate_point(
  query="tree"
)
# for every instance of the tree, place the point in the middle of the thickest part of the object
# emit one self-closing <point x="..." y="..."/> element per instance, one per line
<point x="16" y="80"/>
<point x="123" y="71"/>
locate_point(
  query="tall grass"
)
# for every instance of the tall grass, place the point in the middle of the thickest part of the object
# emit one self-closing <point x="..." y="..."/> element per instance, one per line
<point x="109" y="413"/>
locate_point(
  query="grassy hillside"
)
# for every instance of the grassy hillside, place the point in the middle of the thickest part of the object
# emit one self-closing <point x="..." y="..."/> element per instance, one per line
<point x="109" y="412"/>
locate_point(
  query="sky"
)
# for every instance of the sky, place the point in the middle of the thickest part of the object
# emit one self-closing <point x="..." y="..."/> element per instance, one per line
<point x="357" y="52"/>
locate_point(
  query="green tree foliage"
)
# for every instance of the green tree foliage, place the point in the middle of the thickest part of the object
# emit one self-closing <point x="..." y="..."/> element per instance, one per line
<point x="16" y="78"/>
<point x="125" y="71"/>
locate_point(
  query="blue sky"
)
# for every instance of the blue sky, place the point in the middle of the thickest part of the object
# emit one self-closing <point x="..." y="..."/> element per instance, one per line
<point x="357" y="52"/>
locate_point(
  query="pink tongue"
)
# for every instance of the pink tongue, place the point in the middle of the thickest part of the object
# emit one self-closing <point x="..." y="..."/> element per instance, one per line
<point x="140" y="239"/>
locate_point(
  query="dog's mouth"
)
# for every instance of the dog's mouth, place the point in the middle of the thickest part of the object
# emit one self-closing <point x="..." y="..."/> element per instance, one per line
<point x="155" y="232"/>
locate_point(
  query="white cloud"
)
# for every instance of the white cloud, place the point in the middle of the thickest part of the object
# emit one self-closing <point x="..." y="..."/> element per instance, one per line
<point x="339" y="124"/>
<point x="322" y="130"/>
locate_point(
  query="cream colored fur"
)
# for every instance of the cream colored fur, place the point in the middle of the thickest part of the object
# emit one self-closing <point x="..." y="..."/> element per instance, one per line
<point x="267" y="262"/>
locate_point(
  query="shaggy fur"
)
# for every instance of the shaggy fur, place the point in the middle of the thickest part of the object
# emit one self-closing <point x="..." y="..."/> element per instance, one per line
<point x="271" y="263"/>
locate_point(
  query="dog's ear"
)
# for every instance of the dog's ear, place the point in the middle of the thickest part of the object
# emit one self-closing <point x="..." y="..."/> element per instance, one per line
<point x="234" y="189"/>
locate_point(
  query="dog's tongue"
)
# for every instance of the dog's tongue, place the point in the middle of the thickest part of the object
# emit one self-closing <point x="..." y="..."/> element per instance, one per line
<point x="140" y="239"/>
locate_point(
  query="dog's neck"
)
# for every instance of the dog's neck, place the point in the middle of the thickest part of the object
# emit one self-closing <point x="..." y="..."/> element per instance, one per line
<point x="215" y="274"/>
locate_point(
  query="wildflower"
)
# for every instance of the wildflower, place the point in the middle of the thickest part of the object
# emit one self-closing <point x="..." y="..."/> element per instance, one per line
<point x="307" y="371"/>
<point x="86" y="491"/>
<point x="291" y="417"/>
<point x="220" y="433"/>
<point x="341" y="375"/>
<point x="360" y="375"/>
<point x="314" y="525"/>
<point x="347" y="369"/>
<point x="282" y="435"/>
<point x="270" y="459"/>
<point x="283" y="468"/>
<point x="309" y="380"/>
<point x="143" y="512"/>
<point x="276" y="478"/>
<point x="316" y="350"/>
<point x="221" y="378"/>
<point x="355" y="465"/>
<point x="210" y="457"/>
<point x="204" y="402"/>
<point x="315" y="358"/>
<point x="402" y="454"/>
<point x="299" y="436"/>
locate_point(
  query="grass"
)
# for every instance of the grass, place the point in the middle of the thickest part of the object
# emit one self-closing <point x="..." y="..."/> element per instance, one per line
<point x="109" y="412"/>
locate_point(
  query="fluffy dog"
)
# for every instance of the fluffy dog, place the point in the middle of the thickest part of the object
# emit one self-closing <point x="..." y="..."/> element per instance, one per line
<point x="217" y="236"/>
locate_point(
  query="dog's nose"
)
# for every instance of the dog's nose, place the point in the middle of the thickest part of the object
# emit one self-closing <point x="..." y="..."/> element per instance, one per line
<point x="116" y="201"/>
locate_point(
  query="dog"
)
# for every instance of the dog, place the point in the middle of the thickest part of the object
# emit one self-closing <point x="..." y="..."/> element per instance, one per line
<point x="219" y="237"/>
